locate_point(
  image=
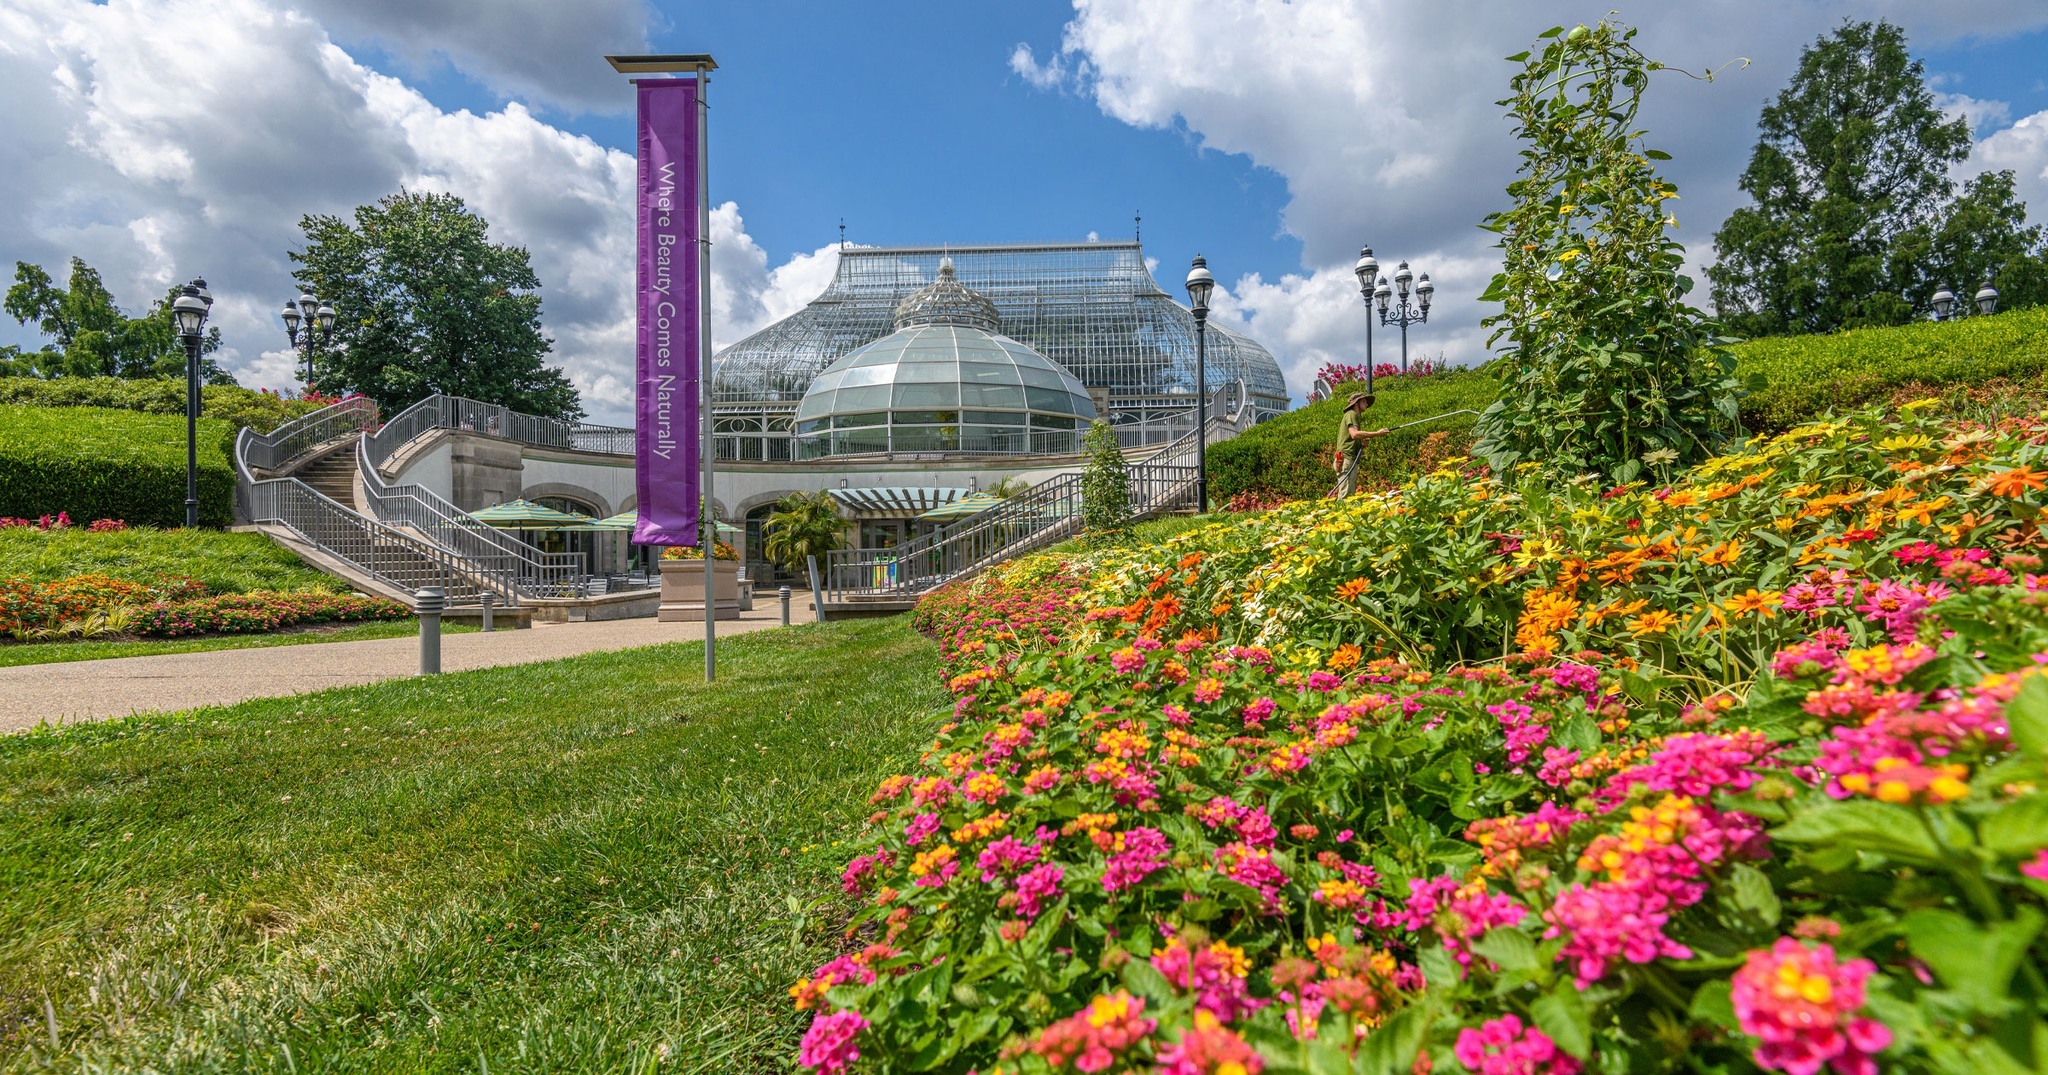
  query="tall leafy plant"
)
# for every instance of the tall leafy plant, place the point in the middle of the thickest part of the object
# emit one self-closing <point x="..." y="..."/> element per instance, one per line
<point x="1609" y="369"/>
<point x="1105" y="483"/>
<point x="803" y="525"/>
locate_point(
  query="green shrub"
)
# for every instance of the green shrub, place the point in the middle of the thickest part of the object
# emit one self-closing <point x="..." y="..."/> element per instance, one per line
<point x="1290" y="455"/>
<point x="98" y="463"/>
<point x="232" y="404"/>
<point x="223" y="562"/>
<point x="1997" y="364"/>
<point x="1105" y="484"/>
<point x="1807" y="375"/>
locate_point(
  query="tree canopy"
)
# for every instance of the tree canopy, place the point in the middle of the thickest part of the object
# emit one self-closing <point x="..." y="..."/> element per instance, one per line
<point x="1855" y="219"/>
<point x="425" y="302"/>
<point x="91" y="337"/>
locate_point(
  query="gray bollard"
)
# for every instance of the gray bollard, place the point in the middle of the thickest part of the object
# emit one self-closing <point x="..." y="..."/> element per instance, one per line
<point x="489" y="600"/>
<point x="429" y="602"/>
<point x="784" y="594"/>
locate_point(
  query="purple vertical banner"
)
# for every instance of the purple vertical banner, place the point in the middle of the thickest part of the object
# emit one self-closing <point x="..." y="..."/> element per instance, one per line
<point x="668" y="441"/>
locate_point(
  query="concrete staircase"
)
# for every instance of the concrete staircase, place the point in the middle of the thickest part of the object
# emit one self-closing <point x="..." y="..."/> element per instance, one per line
<point x="332" y="476"/>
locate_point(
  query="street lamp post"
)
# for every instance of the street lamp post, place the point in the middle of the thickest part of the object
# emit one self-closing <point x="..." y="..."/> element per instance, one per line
<point x="317" y="315"/>
<point x="1403" y="312"/>
<point x="1200" y="284"/>
<point x="189" y="310"/>
<point x="1947" y="309"/>
<point x="1368" y="271"/>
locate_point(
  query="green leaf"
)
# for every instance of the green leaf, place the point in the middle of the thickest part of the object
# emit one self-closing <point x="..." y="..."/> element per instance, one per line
<point x="2027" y="714"/>
<point x="1656" y="154"/>
<point x="1977" y="962"/>
<point x="1144" y="979"/>
<point x="1391" y="1049"/>
<point x="1753" y="895"/>
<point x="1561" y="1013"/>
<point x="2017" y="829"/>
<point x="1510" y="948"/>
<point x="1859" y="825"/>
<point x="1711" y="1004"/>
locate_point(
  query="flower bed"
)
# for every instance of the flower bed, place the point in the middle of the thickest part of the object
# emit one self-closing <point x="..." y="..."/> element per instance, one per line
<point x="171" y="607"/>
<point x="1242" y="803"/>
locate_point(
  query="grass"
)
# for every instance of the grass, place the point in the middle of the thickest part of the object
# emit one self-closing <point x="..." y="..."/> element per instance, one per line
<point x="1149" y="532"/>
<point x="225" y="561"/>
<point x="12" y="653"/>
<point x="574" y="866"/>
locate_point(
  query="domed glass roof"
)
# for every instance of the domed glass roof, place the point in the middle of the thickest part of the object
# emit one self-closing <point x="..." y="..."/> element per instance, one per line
<point x="943" y="387"/>
<point x="947" y="301"/>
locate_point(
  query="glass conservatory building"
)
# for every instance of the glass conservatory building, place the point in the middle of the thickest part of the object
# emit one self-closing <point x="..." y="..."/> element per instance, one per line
<point x="979" y="349"/>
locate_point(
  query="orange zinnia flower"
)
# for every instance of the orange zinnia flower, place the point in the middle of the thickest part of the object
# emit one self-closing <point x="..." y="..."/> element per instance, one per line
<point x="1352" y="589"/>
<point x="2015" y="482"/>
<point x="1653" y="622"/>
<point x="1723" y="555"/>
<point x="1756" y="602"/>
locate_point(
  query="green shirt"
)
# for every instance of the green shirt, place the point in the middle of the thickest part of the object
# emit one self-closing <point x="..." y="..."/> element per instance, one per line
<point x="1345" y="442"/>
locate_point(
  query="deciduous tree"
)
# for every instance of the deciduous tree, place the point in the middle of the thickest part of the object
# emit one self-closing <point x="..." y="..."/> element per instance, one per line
<point x="91" y="337"/>
<point x="425" y="302"/>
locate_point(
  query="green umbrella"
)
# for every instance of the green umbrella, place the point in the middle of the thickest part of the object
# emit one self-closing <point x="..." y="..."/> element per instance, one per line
<point x="527" y="515"/>
<point x="971" y="504"/>
<point x="624" y="522"/>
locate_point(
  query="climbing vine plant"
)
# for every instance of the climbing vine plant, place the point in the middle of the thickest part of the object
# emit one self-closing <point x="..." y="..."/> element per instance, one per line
<point x="1608" y="369"/>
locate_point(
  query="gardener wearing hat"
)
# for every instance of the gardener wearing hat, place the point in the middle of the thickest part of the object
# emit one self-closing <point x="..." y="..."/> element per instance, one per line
<point x="1351" y="442"/>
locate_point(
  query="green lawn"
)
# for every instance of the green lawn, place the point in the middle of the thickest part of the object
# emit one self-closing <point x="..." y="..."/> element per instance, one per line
<point x="14" y="653"/>
<point x="226" y="562"/>
<point x="574" y="866"/>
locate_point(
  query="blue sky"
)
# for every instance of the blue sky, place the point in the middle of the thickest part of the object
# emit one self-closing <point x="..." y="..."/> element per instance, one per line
<point x="175" y="137"/>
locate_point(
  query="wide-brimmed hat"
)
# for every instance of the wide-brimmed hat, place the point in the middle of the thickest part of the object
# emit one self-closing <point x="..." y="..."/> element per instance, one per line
<point x="1358" y="398"/>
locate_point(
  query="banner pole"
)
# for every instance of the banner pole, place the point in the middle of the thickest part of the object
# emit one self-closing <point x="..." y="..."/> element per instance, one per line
<point x="710" y="514"/>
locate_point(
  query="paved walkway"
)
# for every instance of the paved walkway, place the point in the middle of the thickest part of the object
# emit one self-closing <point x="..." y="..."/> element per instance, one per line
<point x="96" y="690"/>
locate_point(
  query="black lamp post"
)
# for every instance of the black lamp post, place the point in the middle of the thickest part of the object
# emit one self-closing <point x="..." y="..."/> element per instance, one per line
<point x="189" y="310"/>
<point x="1368" y="271"/>
<point x="1947" y="309"/>
<point x="1404" y="312"/>
<point x="317" y="315"/>
<point x="1200" y="284"/>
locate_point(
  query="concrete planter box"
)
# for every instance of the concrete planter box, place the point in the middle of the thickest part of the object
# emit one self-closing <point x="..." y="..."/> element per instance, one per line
<point x="682" y="590"/>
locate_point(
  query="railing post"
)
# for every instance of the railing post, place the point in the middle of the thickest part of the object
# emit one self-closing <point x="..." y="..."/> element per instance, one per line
<point x="817" y="592"/>
<point x="783" y="593"/>
<point x="488" y="599"/>
<point x="428" y="602"/>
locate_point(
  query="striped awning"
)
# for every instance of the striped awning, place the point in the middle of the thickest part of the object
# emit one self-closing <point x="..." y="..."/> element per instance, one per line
<point x="893" y="501"/>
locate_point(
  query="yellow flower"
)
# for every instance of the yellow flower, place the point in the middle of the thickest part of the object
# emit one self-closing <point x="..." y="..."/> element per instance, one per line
<point x="1911" y="443"/>
<point x="1653" y="622"/>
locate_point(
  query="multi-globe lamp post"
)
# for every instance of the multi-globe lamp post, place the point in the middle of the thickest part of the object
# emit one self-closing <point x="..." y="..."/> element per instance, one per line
<point x="1947" y="309"/>
<point x="189" y="311"/>
<point x="1200" y="284"/>
<point x="317" y="315"/>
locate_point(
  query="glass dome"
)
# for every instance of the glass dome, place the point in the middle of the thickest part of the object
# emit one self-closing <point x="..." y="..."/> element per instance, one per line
<point x="943" y="388"/>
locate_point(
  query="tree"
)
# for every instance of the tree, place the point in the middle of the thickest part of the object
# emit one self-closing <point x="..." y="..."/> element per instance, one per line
<point x="424" y="302"/>
<point x="1105" y="483"/>
<point x="801" y="526"/>
<point x="1854" y="215"/>
<point x="1610" y="369"/>
<point x="90" y="335"/>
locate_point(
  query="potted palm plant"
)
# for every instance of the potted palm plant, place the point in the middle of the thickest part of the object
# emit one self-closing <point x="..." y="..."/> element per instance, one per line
<point x="803" y="525"/>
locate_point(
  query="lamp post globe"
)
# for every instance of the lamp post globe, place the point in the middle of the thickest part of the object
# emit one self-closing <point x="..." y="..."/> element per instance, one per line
<point x="1200" y="283"/>
<point x="1396" y="307"/>
<point x="188" y="310"/>
<point x="1944" y="301"/>
<point x="1368" y="272"/>
<point x="1987" y="299"/>
<point x="316" y="318"/>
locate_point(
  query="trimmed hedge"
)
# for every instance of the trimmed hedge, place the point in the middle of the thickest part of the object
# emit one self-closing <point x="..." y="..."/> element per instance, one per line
<point x="98" y="463"/>
<point x="2000" y="362"/>
<point x="221" y="561"/>
<point x="1290" y="455"/>
<point x="232" y="404"/>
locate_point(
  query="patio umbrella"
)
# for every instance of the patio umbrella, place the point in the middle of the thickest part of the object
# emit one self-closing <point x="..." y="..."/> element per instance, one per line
<point x="624" y="522"/>
<point x="527" y="515"/>
<point x="971" y="504"/>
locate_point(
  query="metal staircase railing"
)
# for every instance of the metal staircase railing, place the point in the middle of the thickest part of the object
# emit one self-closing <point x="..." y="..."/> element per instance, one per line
<point x="279" y="448"/>
<point x="382" y="552"/>
<point x="428" y="514"/>
<point x="1045" y="514"/>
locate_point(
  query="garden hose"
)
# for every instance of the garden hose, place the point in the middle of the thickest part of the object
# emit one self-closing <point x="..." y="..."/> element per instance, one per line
<point x="1339" y="483"/>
